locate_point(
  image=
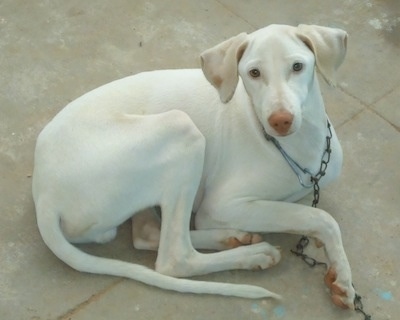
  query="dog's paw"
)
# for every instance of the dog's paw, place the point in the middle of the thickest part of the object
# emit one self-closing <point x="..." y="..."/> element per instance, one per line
<point x="342" y="294"/>
<point x="261" y="256"/>
<point x="241" y="239"/>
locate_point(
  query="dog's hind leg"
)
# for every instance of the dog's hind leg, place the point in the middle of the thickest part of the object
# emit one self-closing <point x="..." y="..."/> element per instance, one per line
<point x="146" y="226"/>
<point x="181" y="176"/>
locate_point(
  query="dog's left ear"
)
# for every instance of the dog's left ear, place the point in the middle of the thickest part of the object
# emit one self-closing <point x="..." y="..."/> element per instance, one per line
<point x="329" y="46"/>
<point x="220" y="65"/>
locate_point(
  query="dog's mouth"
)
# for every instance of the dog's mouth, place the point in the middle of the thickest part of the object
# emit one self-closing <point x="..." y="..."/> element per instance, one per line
<point x="272" y="133"/>
<point x="284" y="134"/>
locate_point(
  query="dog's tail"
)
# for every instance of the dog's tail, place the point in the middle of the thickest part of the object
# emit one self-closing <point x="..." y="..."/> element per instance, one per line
<point x="50" y="229"/>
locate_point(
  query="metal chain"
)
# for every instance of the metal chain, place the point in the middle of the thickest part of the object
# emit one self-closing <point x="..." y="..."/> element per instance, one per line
<point x="304" y="241"/>
<point x="323" y="166"/>
<point x="359" y="307"/>
<point x="300" y="246"/>
<point x="314" y="179"/>
<point x="311" y="262"/>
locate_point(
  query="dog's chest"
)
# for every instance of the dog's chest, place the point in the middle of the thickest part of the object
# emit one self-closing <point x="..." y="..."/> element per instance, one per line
<point x="267" y="175"/>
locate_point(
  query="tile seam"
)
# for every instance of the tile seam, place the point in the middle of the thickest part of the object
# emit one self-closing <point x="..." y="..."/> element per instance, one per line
<point x="385" y="95"/>
<point x="363" y="104"/>
<point x="397" y="128"/>
<point x="235" y="14"/>
<point x="94" y="297"/>
<point x="349" y="119"/>
<point x="367" y="106"/>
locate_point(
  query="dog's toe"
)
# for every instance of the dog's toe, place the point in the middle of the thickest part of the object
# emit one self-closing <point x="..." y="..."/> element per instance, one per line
<point x="341" y="297"/>
<point x="250" y="238"/>
<point x="242" y="239"/>
<point x="267" y="256"/>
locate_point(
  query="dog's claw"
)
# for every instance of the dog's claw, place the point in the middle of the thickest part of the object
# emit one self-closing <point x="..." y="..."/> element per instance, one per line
<point x="330" y="277"/>
<point x="338" y="301"/>
<point x="339" y="295"/>
<point x="318" y="243"/>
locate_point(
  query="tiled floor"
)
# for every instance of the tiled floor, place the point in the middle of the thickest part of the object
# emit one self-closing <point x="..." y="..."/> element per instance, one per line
<point x="53" y="51"/>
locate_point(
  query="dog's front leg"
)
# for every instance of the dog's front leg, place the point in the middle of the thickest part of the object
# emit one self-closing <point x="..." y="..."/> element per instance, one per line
<point x="282" y="217"/>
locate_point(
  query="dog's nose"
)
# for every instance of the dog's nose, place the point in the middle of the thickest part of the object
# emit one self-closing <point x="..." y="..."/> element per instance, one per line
<point x="281" y="121"/>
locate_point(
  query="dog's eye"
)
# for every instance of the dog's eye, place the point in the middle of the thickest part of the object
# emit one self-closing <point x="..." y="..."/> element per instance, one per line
<point x="297" y="66"/>
<point x="254" y="73"/>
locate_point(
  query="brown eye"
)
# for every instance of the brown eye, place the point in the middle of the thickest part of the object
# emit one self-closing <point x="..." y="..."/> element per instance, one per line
<point x="254" y="73"/>
<point x="297" y="66"/>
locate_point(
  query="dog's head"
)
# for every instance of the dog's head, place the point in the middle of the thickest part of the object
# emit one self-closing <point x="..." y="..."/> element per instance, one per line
<point x="276" y="65"/>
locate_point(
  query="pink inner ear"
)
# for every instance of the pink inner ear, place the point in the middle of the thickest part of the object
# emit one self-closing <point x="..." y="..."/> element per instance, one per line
<point x="219" y="65"/>
<point x="217" y="81"/>
<point x="307" y="42"/>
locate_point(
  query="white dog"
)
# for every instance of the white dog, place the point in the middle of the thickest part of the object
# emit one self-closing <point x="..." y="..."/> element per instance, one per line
<point x="170" y="139"/>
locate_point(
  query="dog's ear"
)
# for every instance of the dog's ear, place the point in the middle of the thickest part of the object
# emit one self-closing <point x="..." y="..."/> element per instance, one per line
<point x="329" y="46"/>
<point x="220" y="65"/>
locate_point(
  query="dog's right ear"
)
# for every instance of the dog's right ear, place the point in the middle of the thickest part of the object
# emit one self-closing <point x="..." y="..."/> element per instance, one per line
<point x="329" y="46"/>
<point x="220" y="65"/>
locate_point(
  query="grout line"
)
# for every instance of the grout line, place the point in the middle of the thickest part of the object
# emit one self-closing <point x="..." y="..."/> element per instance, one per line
<point x="352" y="96"/>
<point x="368" y="107"/>
<point x="386" y="94"/>
<point x="235" y="14"/>
<point x="365" y="107"/>
<point x="69" y="314"/>
<point x="384" y="119"/>
<point x="349" y="119"/>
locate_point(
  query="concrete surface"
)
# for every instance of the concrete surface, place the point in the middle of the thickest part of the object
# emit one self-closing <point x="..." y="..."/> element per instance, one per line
<point x="53" y="51"/>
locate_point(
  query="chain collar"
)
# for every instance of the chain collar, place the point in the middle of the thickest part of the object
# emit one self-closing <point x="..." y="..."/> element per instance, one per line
<point x="298" y="169"/>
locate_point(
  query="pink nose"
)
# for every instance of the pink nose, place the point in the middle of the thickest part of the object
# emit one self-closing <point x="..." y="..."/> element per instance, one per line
<point x="281" y="121"/>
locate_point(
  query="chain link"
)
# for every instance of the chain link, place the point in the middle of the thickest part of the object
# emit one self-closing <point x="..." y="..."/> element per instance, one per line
<point x="326" y="157"/>
<point x="359" y="307"/>
<point x="301" y="245"/>
<point x="314" y="179"/>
